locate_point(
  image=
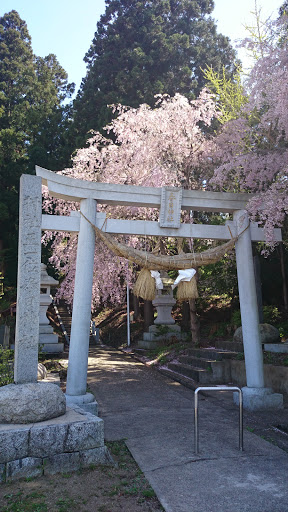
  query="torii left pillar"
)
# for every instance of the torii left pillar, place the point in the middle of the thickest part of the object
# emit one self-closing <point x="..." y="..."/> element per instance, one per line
<point x="81" y="314"/>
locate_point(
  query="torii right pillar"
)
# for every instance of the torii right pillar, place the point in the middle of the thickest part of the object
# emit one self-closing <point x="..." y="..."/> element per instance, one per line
<point x="255" y="395"/>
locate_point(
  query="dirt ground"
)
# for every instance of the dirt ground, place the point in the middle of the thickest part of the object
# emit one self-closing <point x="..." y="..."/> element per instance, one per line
<point x="100" y="489"/>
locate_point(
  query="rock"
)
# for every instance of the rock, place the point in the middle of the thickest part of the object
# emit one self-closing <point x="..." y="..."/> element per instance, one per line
<point x="83" y="436"/>
<point x="13" y="443"/>
<point x="31" y="402"/>
<point x="30" y="467"/>
<point x="268" y="334"/>
<point x="42" y="371"/>
<point x="43" y="437"/>
<point x="61" y="463"/>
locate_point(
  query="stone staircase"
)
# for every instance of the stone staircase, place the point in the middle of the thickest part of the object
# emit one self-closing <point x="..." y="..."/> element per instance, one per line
<point x="60" y="317"/>
<point x="205" y="366"/>
<point x="65" y="314"/>
<point x="65" y="320"/>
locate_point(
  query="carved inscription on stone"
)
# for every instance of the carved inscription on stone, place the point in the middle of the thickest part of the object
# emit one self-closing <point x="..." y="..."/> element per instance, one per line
<point x="170" y="210"/>
<point x="28" y="283"/>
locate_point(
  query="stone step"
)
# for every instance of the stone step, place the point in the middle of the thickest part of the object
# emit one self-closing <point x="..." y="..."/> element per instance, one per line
<point x="213" y="354"/>
<point x="52" y="348"/>
<point x="66" y="319"/>
<point x="198" y="362"/>
<point x="178" y="377"/>
<point x="229" y="345"/>
<point x="204" y="371"/>
<point x="65" y="316"/>
<point x="200" y="375"/>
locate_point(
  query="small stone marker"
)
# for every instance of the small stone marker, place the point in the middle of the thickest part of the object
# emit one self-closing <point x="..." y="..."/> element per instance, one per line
<point x="47" y="339"/>
<point x="4" y="335"/>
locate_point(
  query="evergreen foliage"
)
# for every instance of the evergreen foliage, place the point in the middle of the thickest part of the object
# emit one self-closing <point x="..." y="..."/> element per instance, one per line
<point x="142" y="48"/>
<point x="32" y="121"/>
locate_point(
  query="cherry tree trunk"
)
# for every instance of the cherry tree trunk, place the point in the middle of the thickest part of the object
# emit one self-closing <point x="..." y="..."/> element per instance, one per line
<point x="136" y="307"/>
<point x="186" y="316"/>
<point x="194" y="321"/>
<point x="148" y="314"/>
<point x="2" y="268"/>
<point x="284" y="281"/>
<point x="257" y="272"/>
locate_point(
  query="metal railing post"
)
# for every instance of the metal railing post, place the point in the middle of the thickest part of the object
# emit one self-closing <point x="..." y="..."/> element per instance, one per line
<point x="217" y="388"/>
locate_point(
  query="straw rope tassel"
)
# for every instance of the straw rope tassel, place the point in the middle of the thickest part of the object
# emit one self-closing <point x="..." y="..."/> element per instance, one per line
<point x="186" y="290"/>
<point x="145" y="285"/>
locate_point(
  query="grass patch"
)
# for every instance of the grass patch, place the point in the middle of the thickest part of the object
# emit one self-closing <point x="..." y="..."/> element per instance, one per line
<point x="99" y="488"/>
<point x="19" y="502"/>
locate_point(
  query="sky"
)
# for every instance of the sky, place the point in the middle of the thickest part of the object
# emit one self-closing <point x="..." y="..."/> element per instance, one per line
<point x="66" y="27"/>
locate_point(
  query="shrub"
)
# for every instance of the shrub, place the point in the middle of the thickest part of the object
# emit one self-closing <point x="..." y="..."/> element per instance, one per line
<point x="6" y="366"/>
<point x="236" y="318"/>
<point x="270" y="314"/>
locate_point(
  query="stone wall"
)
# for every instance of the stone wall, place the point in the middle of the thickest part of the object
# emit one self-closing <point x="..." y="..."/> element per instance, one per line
<point x="275" y="377"/>
<point x="67" y="443"/>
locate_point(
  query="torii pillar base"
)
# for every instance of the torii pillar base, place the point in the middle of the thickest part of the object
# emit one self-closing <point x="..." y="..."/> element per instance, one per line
<point x="257" y="399"/>
<point x="86" y="402"/>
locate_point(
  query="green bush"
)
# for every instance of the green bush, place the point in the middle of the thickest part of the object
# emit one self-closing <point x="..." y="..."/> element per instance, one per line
<point x="6" y="366"/>
<point x="236" y="318"/>
<point x="283" y="329"/>
<point x="270" y="314"/>
<point x="162" y="330"/>
<point x="222" y="329"/>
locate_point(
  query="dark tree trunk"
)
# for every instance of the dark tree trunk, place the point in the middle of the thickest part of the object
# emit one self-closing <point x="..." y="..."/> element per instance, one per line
<point x="185" y="316"/>
<point x="194" y="321"/>
<point x="2" y="269"/>
<point x="148" y="314"/>
<point x="284" y="281"/>
<point x="136" y="307"/>
<point x="257" y="273"/>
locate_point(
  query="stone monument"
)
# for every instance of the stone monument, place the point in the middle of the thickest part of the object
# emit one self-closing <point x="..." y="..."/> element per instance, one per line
<point x="48" y="341"/>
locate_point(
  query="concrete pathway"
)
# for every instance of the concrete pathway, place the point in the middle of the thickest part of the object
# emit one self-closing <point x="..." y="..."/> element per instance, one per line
<point x="155" y="415"/>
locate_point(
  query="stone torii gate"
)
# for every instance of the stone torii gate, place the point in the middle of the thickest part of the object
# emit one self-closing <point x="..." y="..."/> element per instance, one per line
<point x="170" y="201"/>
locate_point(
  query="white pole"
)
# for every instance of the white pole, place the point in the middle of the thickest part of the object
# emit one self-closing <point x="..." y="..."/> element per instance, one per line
<point x="248" y="303"/>
<point x="128" y="310"/>
<point x="81" y="315"/>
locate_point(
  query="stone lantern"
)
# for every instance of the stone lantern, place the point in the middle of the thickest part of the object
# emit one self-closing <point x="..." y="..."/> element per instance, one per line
<point x="47" y="339"/>
<point x="164" y="326"/>
<point x="164" y="301"/>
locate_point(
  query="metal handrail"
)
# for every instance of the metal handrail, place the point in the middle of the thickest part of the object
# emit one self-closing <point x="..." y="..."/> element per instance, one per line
<point x="62" y="327"/>
<point x="94" y="332"/>
<point x="218" y="388"/>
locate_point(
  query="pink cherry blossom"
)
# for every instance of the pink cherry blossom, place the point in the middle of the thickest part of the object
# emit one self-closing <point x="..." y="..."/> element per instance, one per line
<point x="252" y="151"/>
<point x="164" y="146"/>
